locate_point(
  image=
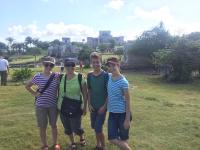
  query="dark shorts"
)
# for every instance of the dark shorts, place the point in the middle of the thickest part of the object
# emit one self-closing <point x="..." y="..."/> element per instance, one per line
<point x="116" y="128"/>
<point x="97" y="121"/>
<point x="72" y="125"/>
<point x="44" y="115"/>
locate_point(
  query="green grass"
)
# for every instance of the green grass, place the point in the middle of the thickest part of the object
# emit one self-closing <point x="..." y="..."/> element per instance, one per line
<point x="165" y="117"/>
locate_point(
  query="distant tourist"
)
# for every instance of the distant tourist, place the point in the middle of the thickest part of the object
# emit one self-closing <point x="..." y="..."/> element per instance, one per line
<point x="61" y="67"/>
<point x="118" y="106"/>
<point x="46" y="100"/>
<point x="97" y="98"/>
<point x="72" y="102"/>
<point x="4" y="70"/>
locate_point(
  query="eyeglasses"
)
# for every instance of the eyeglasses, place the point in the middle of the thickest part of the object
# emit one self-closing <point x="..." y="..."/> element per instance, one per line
<point x="70" y="64"/>
<point x="49" y="65"/>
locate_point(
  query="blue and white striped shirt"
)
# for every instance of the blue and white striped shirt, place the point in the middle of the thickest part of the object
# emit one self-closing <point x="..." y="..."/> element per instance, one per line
<point x="116" y="99"/>
<point x="49" y="97"/>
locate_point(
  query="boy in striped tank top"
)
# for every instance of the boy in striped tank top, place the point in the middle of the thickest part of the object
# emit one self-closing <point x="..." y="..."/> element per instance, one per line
<point x="118" y="106"/>
<point x="46" y="101"/>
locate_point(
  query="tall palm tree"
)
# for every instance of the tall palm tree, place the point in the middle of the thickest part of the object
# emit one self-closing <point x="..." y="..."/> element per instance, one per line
<point x="10" y="42"/>
<point x="28" y="41"/>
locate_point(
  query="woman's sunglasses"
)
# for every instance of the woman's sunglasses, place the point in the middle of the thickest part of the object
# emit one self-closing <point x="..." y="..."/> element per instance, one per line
<point x="49" y="65"/>
<point x="70" y="64"/>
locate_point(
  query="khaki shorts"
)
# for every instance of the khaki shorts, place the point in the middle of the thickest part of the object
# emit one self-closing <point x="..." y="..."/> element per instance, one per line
<point x="44" y="115"/>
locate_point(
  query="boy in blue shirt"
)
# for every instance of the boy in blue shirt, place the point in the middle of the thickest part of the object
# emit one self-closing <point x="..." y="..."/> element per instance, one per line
<point x="118" y="106"/>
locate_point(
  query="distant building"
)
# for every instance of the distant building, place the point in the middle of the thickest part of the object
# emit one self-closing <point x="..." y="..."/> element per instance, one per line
<point x="104" y="37"/>
<point x="92" y="42"/>
<point x="119" y="40"/>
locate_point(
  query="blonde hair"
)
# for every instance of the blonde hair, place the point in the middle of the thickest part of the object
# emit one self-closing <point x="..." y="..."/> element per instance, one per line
<point x="95" y="55"/>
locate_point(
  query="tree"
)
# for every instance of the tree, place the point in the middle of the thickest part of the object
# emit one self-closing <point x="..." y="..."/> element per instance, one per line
<point x="57" y="48"/>
<point x="28" y="41"/>
<point x="103" y="47"/>
<point x="150" y="41"/>
<point x="84" y="55"/>
<point x="10" y="42"/>
<point x="2" y="46"/>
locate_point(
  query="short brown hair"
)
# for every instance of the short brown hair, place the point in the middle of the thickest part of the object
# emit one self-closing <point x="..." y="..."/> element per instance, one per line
<point x="113" y="59"/>
<point x="95" y="55"/>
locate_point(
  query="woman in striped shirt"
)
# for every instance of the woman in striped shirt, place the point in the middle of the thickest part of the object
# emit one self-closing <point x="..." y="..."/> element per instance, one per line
<point x="46" y="101"/>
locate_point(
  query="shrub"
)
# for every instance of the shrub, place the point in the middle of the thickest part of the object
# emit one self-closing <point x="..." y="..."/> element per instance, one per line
<point x="22" y="74"/>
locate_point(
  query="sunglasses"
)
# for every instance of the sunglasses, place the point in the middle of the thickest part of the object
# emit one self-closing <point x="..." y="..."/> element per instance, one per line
<point x="70" y="64"/>
<point x="49" y="65"/>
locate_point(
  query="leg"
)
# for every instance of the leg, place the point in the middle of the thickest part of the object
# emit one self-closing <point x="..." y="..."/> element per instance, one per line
<point x="4" y="78"/>
<point x="53" y="113"/>
<point x="43" y="136"/>
<point x="93" y="116"/>
<point x="123" y="133"/>
<point x="76" y="128"/>
<point x="67" y="127"/>
<point x="100" y="118"/>
<point x="1" y="73"/>
<point x="123" y="145"/>
<point x="41" y="114"/>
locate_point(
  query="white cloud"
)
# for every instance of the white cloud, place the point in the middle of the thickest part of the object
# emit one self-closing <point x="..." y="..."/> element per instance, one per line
<point x="164" y="14"/>
<point x="161" y="14"/>
<point x="52" y="31"/>
<point x="115" y="4"/>
<point x="128" y="34"/>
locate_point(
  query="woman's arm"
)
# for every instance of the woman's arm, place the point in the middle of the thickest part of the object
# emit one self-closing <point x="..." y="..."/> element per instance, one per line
<point x="28" y="86"/>
<point x="85" y="96"/>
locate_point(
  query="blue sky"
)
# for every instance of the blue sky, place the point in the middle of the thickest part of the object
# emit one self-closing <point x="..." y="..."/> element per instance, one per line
<point x="53" y="19"/>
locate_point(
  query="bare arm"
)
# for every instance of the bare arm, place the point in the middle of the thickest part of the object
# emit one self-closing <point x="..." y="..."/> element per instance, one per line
<point x="28" y="86"/>
<point x="127" y="99"/>
<point x="85" y="96"/>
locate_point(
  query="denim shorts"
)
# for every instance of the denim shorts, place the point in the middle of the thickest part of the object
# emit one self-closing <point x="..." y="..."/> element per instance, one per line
<point x="97" y="121"/>
<point x="116" y="128"/>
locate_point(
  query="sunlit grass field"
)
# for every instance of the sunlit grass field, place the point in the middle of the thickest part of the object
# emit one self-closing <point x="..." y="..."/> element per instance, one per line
<point x="165" y="117"/>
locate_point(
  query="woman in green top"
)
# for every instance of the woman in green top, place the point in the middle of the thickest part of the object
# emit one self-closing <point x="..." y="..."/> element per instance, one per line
<point x="72" y="89"/>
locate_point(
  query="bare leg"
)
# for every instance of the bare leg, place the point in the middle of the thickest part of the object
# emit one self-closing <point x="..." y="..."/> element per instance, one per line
<point x="43" y="136"/>
<point x="54" y="135"/>
<point x="71" y="137"/>
<point x="98" y="140"/>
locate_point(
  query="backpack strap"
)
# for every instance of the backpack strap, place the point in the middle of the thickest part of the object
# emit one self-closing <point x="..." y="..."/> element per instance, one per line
<point x="48" y="83"/>
<point x="65" y="82"/>
<point x="88" y="80"/>
<point x="60" y="77"/>
<point x="80" y="77"/>
<point x="106" y="78"/>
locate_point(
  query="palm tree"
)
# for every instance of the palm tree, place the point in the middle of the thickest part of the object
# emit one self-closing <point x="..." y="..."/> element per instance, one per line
<point x="10" y="42"/>
<point x="35" y="42"/>
<point x="28" y="41"/>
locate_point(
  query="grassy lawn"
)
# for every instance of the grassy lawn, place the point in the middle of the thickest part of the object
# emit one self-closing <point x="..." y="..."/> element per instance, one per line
<point x="165" y="117"/>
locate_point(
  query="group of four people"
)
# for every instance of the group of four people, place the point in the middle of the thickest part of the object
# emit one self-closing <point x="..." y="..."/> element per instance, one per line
<point x="70" y="94"/>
